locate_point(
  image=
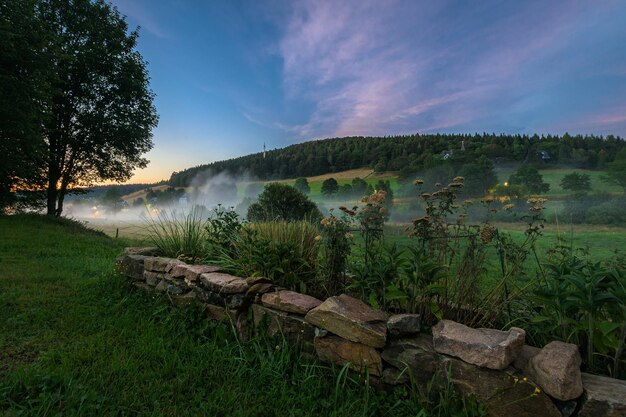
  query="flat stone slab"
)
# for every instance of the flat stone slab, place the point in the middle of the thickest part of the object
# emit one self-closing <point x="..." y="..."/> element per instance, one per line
<point x="293" y="328"/>
<point x="340" y="351"/>
<point x="153" y="278"/>
<point x="351" y="319"/>
<point x="191" y="273"/>
<point x="223" y="283"/>
<point x="504" y="393"/>
<point x="525" y="355"/>
<point x="493" y="349"/>
<point x="290" y="301"/>
<point x="556" y="368"/>
<point x="132" y="266"/>
<point x="403" y="325"/>
<point x="603" y="397"/>
<point x="156" y="263"/>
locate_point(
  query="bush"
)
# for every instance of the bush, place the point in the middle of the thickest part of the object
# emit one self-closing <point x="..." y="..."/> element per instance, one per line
<point x="285" y="252"/>
<point x="282" y="202"/>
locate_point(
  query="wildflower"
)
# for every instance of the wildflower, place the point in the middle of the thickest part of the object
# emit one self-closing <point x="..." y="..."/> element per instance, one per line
<point x="537" y="390"/>
<point x="425" y="196"/>
<point x="364" y="199"/>
<point x="455" y="185"/>
<point x="325" y="221"/>
<point x="536" y="200"/>
<point x="382" y="210"/>
<point x="508" y="207"/>
<point x="468" y="202"/>
<point x="348" y="235"/>
<point x="318" y="238"/>
<point x="536" y="208"/>
<point x="418" y="182"/>
<point x="458" y="179"/>
<point x="487" y="200"/>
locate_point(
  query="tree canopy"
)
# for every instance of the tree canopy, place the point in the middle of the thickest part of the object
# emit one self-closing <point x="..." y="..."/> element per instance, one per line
<point x="302" y="185"/>
<point x="529" y="176"/>
<point x="577" y="183"/>
<point x="282" y="202"/>
<point x="616" y="170"/>
<point x="91" y="103"/>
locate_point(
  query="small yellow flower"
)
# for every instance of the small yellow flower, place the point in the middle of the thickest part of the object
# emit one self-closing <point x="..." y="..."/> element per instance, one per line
<point x="537" y="391"/>
<point x="318" y="238"/>
<point x="458" y="179"/>
<point x="418" y="182"/>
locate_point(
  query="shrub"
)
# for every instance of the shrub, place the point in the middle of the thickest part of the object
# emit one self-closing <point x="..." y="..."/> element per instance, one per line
<point x="282" y="202"/>
<point x="285" y="252"/>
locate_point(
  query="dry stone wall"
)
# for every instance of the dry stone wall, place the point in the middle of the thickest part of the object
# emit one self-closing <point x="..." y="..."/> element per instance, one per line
<point x="507" y="376"/>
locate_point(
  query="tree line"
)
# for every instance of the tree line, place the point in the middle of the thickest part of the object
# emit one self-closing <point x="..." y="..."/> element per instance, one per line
<point x="411" y="154"/>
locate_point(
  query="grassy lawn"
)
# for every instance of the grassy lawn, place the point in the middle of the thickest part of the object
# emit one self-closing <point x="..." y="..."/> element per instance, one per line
<point x="75" y="340"/>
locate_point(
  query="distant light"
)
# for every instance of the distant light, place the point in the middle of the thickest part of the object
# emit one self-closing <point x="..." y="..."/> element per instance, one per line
<point x="506" y="184"/>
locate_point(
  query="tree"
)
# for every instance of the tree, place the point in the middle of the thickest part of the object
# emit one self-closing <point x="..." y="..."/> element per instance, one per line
<point x="23" y="63"/>
<point x="330" y="187"/>
<point x="577" y="183"/>
<point x="616" y="170"/>
<point x="94" y="109"/>
<point x="528" y="176"/>
<point x="479" y="176"/>
<point x="359" y="186"/>
<point x="282" y="202"/>
<point x="302" y="185"/>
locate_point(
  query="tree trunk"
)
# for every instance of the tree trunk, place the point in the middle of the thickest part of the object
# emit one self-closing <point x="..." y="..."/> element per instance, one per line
<point x="52" y="197"/>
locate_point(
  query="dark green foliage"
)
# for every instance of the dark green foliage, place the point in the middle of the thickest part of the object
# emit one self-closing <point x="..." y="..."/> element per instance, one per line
<point x="88" y="107"/>
<point x="282" y="202"/>
<point x="302" y="185"/>
<point x="359" y="187"/>
<point x="616" y="170"/>
<point x="577" y="183"/>
<point x="410" y="154"/>
<point x="479" y="177"/>
<point x="330" y="187"/>
<point x="528" y="176"/>
<point x="23" y="87"/>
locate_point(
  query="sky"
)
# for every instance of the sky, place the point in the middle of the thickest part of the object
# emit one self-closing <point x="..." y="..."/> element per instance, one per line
<point x="230" y="76"/>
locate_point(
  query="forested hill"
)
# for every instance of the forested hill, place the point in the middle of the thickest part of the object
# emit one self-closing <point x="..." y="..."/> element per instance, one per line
<point x="410" y="154"/>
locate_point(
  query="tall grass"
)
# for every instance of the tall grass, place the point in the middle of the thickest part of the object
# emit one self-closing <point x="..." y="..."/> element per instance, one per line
<point x="285" y="252"/>
<point x="179" y="234"/>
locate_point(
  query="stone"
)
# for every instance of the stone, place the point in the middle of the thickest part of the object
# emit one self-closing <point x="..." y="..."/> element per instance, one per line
<point x="556" y="368"/>
<point x="173" y="289"/>
<point x="504" y="393"/>
<point x="156" y="263"/>
<point x="183" y="300"/>
<point x="216" y="313"/>
<point x="144" y="251"/>
<point x="351" y="319"/>
<point x="235" y="301"/>
<point x="340" y="351"/>
<point x="260" y="288"/>
<point x="393" y="376"/>
<point x="258" y="280"/>
<point x="521" y="362"/>
<point x="172" y="264"/>
<point x="493" y="349"/>
<point x="153" y="278"/>
<point x="223" y="283"/>
<point x="293" y="328"/>
<point x="400" y="325"/>
<point x="290" y="301"/>
<point x="161" y="286"/>
<point x="131" y="266"/>
<point x="191" y="273"/>
<point x="603" y="397"/>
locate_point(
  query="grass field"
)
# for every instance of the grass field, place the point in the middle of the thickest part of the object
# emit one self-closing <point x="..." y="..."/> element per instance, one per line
<point x="76" y="341"/>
